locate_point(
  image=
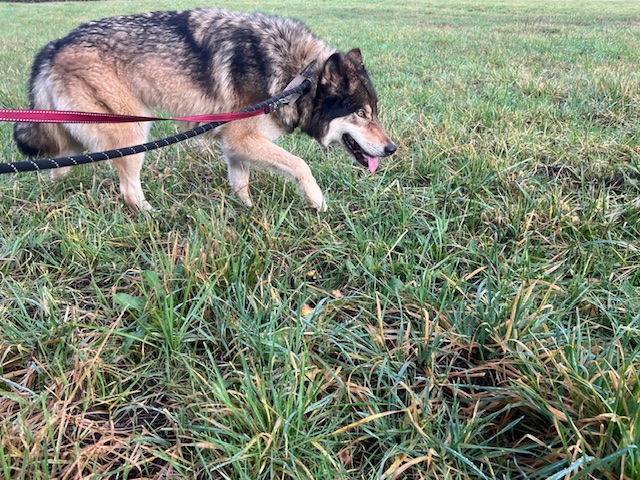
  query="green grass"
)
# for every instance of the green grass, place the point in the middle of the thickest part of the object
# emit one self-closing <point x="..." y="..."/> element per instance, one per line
<point x="471" y="311"/>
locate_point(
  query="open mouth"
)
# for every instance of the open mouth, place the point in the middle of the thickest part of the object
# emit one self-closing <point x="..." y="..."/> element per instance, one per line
<point x="358" y="153"/>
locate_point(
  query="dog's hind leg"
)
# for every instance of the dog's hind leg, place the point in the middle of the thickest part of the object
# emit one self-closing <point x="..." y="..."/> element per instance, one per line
<point x="99" y="87"/>
<point x="114" y="136"/>
<point x="108" y="137"/>
<point x="59" y="173"/>
<point x="130" y="186"/>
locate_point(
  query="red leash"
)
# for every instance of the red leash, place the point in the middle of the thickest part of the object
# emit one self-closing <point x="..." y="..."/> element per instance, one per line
<point x="298" y="86"/>
<point x="61" y="116"/>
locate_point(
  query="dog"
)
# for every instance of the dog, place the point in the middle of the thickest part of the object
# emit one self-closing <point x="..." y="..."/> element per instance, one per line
<point x="203" y="61"/>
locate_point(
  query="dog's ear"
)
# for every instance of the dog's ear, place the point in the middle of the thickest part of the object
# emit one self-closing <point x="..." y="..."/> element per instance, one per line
<point x="355" y="55"/>
<point x="332" y="72"/>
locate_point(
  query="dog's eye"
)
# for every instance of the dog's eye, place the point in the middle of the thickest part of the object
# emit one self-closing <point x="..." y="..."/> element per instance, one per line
<point x="361" y="113"/>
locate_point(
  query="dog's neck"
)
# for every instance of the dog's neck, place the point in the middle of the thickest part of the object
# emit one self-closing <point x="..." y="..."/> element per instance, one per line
<point x="300" y="114"/>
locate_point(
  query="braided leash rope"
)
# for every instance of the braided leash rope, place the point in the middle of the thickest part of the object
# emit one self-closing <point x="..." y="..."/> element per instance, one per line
<point x="267" y="106"/>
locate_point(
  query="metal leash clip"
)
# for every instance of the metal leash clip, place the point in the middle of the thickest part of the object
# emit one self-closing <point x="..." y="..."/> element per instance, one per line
<point x="273" y="106"/>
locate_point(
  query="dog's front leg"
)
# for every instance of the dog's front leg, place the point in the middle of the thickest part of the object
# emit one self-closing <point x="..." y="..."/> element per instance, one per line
<point x="238" y="172"/>
<point x="257" y="150"/>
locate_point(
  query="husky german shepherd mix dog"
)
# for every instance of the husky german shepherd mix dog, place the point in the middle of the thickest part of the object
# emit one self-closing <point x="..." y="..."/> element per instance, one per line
<point x="196" y="62"/>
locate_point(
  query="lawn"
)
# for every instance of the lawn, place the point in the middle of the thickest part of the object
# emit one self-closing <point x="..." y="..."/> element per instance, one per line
<point x="471" y="311"/>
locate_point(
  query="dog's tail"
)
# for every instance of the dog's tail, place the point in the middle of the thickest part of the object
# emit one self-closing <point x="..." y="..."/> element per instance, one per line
<point x="39" y="139"/>
<point x="35" y="139"/>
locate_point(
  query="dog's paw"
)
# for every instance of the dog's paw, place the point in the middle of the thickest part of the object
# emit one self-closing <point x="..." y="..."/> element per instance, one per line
<point x="313" y="196"/>
<point x="138" y="205"/>
<point x="319" y="204"/>
<point x="145" y="207"/>
<point x="244" y="197"/>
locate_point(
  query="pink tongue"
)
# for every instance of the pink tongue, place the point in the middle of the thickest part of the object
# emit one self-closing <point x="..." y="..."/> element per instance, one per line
<point x="372" y="161"/>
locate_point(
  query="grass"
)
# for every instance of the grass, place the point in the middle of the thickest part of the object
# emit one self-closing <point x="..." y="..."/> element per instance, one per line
<point x="469" y="312"/>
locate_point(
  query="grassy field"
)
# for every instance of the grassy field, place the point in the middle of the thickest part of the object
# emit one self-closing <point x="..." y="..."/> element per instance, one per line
<point x="471" y="311"/>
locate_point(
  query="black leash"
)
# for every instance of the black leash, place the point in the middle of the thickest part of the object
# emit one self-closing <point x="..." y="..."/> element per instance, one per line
<point x="269" y="105"/>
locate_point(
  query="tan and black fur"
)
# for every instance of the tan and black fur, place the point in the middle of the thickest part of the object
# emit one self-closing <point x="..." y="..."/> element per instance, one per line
<point x="196" y="62"/>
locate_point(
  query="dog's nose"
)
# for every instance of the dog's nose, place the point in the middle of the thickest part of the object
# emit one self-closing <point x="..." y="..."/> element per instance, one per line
<point x="389" y="148"/>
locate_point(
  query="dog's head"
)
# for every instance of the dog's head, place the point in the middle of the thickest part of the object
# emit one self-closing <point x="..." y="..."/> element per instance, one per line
<point x="346" y="110"/>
